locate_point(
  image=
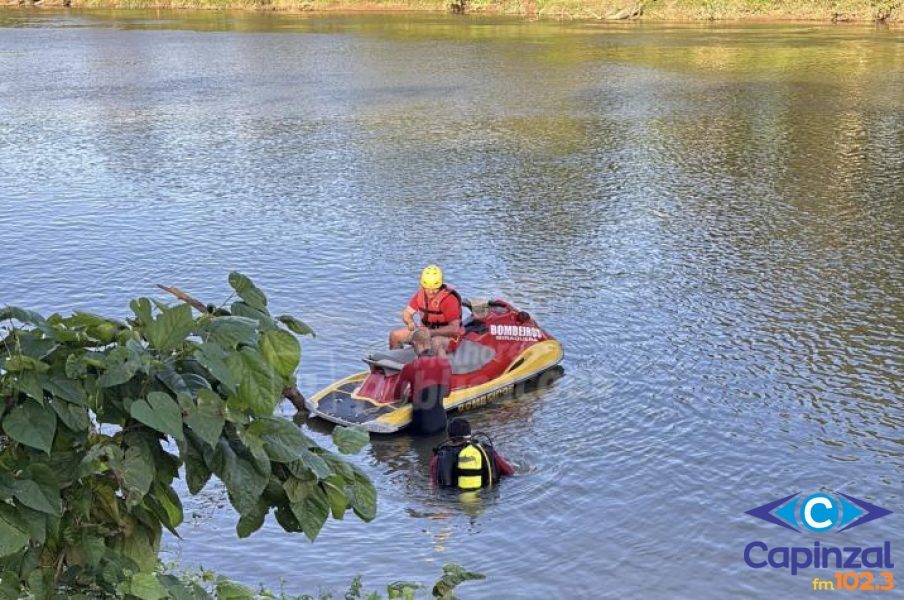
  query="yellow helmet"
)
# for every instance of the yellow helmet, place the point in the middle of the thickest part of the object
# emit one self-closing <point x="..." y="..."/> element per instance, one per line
<point x="431" y="277"/>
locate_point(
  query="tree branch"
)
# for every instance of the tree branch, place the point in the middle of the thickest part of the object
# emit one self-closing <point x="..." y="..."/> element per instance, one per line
<point x="184" y="297"/>
<point x="294" y="396"/>
<point x="291" y="393"/>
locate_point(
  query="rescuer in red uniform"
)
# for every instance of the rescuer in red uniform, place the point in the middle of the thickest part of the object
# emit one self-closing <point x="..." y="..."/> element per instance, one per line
<point x="425" y="381"/>
<point x="439" y="308"/>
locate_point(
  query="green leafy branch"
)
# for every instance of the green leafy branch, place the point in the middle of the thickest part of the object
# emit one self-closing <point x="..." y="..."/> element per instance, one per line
<point x="99" y="415"/>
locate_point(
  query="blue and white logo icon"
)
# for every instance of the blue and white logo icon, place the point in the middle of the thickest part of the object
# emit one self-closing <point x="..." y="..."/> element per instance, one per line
<point x="819" y="512"/>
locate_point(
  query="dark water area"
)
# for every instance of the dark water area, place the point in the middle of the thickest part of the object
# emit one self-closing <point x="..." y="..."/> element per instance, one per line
<point x="710" y="219"/>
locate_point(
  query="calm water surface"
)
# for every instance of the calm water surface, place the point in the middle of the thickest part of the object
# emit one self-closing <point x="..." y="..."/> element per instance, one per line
<point x="710" y="218"/>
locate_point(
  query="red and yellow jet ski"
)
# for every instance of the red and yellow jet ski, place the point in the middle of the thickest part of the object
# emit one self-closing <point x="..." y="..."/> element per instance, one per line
<point x="502" y="352"/>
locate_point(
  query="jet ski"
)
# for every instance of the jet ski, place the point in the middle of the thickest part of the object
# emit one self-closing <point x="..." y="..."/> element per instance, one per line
<point x="501" y="353"/>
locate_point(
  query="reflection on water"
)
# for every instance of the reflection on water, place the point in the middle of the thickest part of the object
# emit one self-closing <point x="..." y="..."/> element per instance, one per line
<point x="709" y="218"/>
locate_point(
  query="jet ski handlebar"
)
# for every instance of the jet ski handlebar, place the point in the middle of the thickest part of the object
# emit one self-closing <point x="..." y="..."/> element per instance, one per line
<point x="466" y="302"/>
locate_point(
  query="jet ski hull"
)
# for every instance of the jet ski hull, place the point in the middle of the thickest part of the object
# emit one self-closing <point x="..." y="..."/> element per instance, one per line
<point x="340" y="403"/>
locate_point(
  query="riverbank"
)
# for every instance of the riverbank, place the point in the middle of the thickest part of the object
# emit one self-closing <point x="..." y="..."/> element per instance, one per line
<point x="860" y="11"/>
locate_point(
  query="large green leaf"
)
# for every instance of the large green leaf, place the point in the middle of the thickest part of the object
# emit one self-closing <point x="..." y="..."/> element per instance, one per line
<point x="31" y="425"/>
<point x="170" y="328"/>
<point x="142" y="309"/>
<point x="308" y="462"/>
<point x="229" y="332"/>
<point x="183" y="590"/>
<point x="263" y="318"/>
<point x="13" y="531"/>
<point x="121" y="365"/>
<point x="282" y="439"/>
<point x="172" y="380"/>
<point x="166" y="505"/>
<point x="96" y="327"/>
<point x="137" y="473"/>
<point x="253" y="520"/>
<point x="298" y="489"/>
<point x="31" y="383"/>
<point x="197" y="473"/>
<point x="159" y="412"/>
<point x="335" y="493"/>
<point x="67" y="389"/>
<point x="362" y="496"/>
<point x="36" y="521"/>
<point x="196" y="383"/>
<point x="350" y="440"/>
<point x="260" y="386"/>
<point x="144" y="586"/>
<point x="453" y="575"/>
<point x="254" y="446"/>
<point x="48" y="477"/>
<point x="312" y="512"/>
<point x="20" y="314"/>
<point x="299" y="327"/>
<point x="83" y="320"/>
<point x="213" y="358"/>
<point x="337" y="465"/>
<point x="244" y="482"/>
<point x="117" y="374"/>
<point x="230" y="590"/>
<point x="74" y="417"/>
<point x="166" y="465"/>
<point x="247" y="291"/>
<point x="286" y="518"/>
<point x="141" y="546"/>
<point x="282" y="350"/>
<point x="32" y="343"/>
<point x="93" y="326"/>
<point x="32" y="495"/>
<point x="274" y="493"/>
<point x="207" y="417"/>
<point x="20" y="362"/>
<point x="139" y="355"/>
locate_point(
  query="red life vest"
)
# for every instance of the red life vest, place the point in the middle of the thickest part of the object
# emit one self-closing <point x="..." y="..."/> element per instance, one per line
<point x="431" y="311"/>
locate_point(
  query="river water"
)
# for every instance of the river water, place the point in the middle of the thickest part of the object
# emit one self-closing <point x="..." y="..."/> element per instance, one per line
<point x="710" y="218"/>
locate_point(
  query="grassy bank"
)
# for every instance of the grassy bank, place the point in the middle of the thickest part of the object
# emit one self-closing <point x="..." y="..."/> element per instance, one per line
<point x="882" y="11"/>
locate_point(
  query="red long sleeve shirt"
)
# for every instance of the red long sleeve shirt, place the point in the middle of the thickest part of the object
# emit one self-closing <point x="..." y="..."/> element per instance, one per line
<point x="423" y="372"/>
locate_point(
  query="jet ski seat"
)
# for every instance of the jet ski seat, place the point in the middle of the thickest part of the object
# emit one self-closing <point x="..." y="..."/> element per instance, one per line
<point x="469" y="356"/>
<point x="392" y="360"/>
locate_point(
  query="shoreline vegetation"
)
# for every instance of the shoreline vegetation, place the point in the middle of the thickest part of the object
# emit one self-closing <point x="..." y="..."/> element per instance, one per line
<point x="825" y="11"/>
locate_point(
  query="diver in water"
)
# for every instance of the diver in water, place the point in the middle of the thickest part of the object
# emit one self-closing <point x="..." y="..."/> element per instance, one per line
<point x="465" y="461"/>
<point x="439" y="307"/>
<point x="425" y="381"/>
